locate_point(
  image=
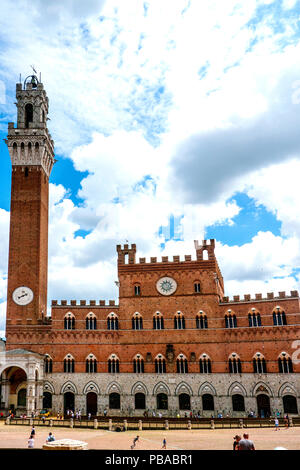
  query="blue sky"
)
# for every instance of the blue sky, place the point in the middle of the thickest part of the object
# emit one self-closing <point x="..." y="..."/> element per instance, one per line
<point x="172" y="121"/>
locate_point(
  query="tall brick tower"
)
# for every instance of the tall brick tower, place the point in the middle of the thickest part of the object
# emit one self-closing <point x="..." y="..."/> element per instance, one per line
<point x="32" y="155"/>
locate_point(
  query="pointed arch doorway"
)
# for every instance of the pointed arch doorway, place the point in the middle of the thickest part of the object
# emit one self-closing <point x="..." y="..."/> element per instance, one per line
<point x="263" y="405"/>
<point x="91" y="403"/>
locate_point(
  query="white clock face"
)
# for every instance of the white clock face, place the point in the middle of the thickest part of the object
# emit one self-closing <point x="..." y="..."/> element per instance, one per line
<point x="22" y="295"/>
<point x="166" y="285"/>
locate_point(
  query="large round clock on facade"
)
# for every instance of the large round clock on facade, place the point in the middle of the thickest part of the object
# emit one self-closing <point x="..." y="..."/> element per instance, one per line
<point x="166" y="285"/>
<point x="22" y="295"/>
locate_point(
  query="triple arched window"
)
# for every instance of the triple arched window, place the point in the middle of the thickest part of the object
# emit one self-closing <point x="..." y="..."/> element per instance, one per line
<point x="69" y="364"/>
<point x="204" y="364"/>
<point x="179" y="321"/>
<point x="138" y="364"/>
<point x="279" y="317"/>
<point x="234" y="364"/>
<point x="230" y="320"/>
<point x="254" y="318"/>
<point x="113" y="364"/>
<point x="285" y="364"/>
<point x="91" y="364"/>
<point x="48" y="364"/>
<point x="91" y="322"/>
<point x="112" y="321"/>
<point x="259" y="364"/>
<point x="201" y="321"/>
<point x="160" y="364"/>
<point x="182" y="364"/>
<point x="137" y="321"/>
<point x="69" y="321"/>
<point x="158" y="321"/>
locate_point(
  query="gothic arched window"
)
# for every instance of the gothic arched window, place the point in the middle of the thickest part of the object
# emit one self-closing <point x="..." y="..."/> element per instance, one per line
<point x="259" y="364"/>
<point x="138" y="364"/>
<point x="235" y="365"/>
<point x="48" y="364"/>
<point x="113" y="364"/>
<point x="279" y="317"/>
<point x="69" y="321"/>
<point x="254" y="318"/>
<point x="91" y="322"/>
<point x="285" y="364"/>
<point x="137" y="321"/>
<point x="91" y="364"/>
<point x="179" y="321"/>
<point x="112" y="321"/>
<point x="160" y="364"/>
<point x="201" y="321"/>
<point x="230" y="320"/>
<point x="158" y="321"/>
<point x="69" y="364"/>
<point x="182" y="364"/>
<point x="204" y="364"/>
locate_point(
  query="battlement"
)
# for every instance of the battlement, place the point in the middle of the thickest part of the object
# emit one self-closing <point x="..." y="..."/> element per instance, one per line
<point x="127" y="254"/>
<point x="84" y="303"/>
<point x="258" y="297"/>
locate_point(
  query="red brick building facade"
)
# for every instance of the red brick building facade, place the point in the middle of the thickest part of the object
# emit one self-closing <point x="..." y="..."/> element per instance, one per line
<point x="174" y="343"/>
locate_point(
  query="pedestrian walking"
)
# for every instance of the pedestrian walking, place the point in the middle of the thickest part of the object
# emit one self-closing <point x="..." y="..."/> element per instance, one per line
<point x="134" y="442"/>
<point x="33" y="431"/>
<point x="286" y="421"/>
<point x="276" y="422"/>
<point x="245" y="443"/>
<point x="164" y="446"/>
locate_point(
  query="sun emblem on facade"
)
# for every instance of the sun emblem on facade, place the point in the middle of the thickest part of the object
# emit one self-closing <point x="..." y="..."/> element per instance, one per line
<point x="166" y="286"/>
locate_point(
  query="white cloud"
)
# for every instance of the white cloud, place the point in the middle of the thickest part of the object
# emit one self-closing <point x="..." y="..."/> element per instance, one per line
<point x="277" y="188"/>
<point x="179" y="75"/>
<point x="267" y="256"/>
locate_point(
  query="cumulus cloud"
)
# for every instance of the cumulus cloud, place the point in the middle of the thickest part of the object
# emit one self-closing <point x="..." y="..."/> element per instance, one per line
<point x="212" y="164"/>
<point x="277" y="188"/>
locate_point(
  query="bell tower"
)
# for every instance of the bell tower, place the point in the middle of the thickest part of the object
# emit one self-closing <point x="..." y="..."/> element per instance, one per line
<point x="31" y="151"/>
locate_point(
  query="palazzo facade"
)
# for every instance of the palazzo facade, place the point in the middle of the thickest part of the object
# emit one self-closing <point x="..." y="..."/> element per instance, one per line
<point x="174" y="343"/>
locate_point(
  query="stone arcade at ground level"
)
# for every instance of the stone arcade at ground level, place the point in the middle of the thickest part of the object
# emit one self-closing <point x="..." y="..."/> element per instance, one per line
<point x="131" y="394"/>
<point x="21" y="382"/>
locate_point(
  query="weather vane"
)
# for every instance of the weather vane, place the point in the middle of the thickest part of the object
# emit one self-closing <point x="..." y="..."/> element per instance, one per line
<point x="32" y="66"/>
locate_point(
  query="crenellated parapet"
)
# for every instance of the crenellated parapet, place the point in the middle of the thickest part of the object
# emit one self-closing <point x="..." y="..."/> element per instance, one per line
<point x="259" y="297"/>
<point x="127" y="255"/>
<point x="207" y="248"/>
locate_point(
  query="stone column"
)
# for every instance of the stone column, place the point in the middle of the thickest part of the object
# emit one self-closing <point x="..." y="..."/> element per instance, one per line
<point x="30" y="398"/>
<point x="5" y="392"/>
<point x="39" y="397"/>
